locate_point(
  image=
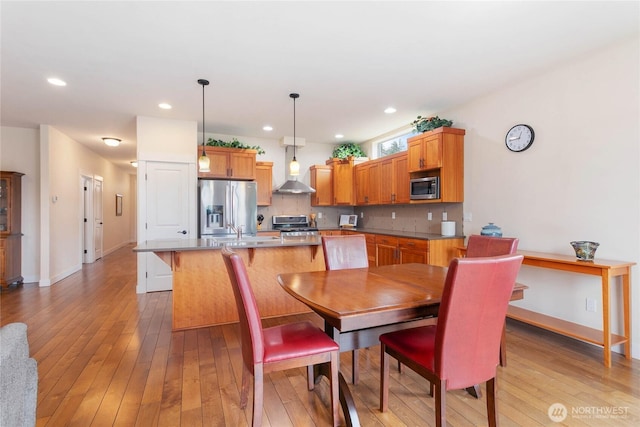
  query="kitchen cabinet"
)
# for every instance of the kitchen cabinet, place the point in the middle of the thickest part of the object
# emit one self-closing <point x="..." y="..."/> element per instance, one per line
<point x="10" y="228"/>
<point x="394" y="179"/>
<point x="322" y="180"/>
<point x="367" y="176"/>
<point x="413" y="250"/>
<point x="442" y="251"/>
<point x="440" y="153"/>
<point x="386" y="250"/>
<point x="230" y="163"/>
<point x="264" y="178"/>
<point x="342" y="171"/>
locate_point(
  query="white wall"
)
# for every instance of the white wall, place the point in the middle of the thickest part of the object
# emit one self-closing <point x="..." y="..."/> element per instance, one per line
<point x="19" y="152"/>
<point x="579" y="181"/>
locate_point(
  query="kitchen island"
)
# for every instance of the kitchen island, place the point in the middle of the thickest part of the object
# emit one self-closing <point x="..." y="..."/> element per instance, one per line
<point x="202" y="293"/>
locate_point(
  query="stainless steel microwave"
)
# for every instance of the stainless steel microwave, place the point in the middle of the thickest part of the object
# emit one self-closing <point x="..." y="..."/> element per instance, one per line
<point x="425" y="188"/>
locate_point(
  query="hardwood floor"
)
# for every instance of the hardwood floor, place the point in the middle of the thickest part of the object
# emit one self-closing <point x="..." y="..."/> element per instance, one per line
<point x="107" y="356"/>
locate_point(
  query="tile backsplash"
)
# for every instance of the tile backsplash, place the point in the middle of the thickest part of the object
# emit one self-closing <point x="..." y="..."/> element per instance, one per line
<point x="408" y="218"/>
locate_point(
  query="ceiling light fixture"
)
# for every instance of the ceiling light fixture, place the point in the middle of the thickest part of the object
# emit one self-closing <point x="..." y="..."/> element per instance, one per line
<point x="294" y="166"/>
<point x="111" y="142"/>
<point x="389" y="110"/>
<point x="203" y="161"/>
<point x="165" y="106"/>
<point x="267" y="128"/>
<point x="134" y="164"/>
<point x="56" y="82"/>
<point x="339" y="135"/>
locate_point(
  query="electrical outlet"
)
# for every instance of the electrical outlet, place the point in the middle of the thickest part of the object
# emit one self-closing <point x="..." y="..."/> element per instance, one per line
<point x="467" y="217"/>
<point x="319" y="215"/>
<point x="393" y="215"/>
<point x="444" y="216"/>
<point x="429" y="216"/>
<point x="591" y="305"/>
<point x="361" y="214"/>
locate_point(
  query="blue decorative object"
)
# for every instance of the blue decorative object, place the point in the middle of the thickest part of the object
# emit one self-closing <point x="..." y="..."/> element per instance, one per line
<point x="491" y="230"/>
<point x="585" y="250"/>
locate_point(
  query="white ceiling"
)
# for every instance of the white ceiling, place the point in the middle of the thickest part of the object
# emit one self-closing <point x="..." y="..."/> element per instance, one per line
<point x="348" y="60"/>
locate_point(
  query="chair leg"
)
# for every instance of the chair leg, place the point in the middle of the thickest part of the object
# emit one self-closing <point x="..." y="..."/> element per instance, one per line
<point x="244" y="390"/>
<point x="503" y="346"/>
<point x="399" y="367"/>
<point x="258" y="395"/>
<point x="441" y="403"/>
<point x="492" y="404"/>
<point x="335" y="393"/>
<point x="384" y="378"/>
<point x="355" y="373"/>
<point x="311" y="381"/>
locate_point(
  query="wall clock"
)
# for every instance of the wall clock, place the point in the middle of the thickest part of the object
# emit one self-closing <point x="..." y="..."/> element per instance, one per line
<point x="519" y="138"/>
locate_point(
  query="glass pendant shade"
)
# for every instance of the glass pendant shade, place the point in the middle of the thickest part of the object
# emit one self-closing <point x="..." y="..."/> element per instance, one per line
<point x="294" y="167"/>
<point x="204" y="162"/>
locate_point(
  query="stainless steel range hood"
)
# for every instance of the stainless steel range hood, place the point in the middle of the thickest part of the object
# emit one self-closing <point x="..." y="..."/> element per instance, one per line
<point x="292" y="185"/>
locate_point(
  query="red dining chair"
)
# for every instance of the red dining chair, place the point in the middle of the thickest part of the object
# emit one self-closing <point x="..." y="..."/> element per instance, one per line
<point x="277" y="348"/>
<point x="344" y="252"/>
<point x="461" y="350"/>
<point x="482" y="246"/>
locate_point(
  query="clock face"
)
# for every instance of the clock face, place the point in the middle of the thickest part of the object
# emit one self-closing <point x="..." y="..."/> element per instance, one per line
<point x="519" y="138"/>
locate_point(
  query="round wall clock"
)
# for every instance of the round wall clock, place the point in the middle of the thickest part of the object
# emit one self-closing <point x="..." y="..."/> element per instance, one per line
<point x="519" y="138"/>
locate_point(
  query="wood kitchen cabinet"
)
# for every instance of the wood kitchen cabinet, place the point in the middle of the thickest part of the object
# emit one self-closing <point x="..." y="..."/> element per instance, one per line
<point x="10" y="228"/>
<point x="342" y="171"/>
<point x="440" y="153"/>
<point x="394" y="179"/>
<point x="230" y="163"/>
<point x="322" y="180"/>
<point x="264" y="178"/>
<point x="367" y="177"/>
<point x="386" y="250"/>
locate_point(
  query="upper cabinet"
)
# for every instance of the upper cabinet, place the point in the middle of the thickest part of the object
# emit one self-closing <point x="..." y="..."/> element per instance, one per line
<point x="322" y="181"/>
<point x="440" y="153"/>
<point x="394" y="179"/>
<point x="264" y="178"/>
<point x="230" y="163"/>
<point x="368" y="183"/>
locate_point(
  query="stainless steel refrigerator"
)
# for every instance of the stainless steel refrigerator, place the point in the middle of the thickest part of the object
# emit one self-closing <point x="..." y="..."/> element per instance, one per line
<point x="225" y="205"/>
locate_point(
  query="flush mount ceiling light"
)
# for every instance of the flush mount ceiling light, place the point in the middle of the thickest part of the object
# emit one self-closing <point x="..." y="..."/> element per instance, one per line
<point x="203" y="160"/>
<point x="111" y="142"/>
<point x="134" y="164"/>
<point x="165" y="106"/>
<point x="56" y="82"/>
<point x="389" y="110"/>
<point x="294" y="166"/>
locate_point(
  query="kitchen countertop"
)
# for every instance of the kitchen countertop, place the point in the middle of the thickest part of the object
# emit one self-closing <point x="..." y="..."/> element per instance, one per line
<point x="395" y="233"/>
<point x="170" y="245"/>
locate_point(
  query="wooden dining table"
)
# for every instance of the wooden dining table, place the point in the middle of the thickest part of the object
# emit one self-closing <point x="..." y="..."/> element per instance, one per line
<point x="358" y="305"/>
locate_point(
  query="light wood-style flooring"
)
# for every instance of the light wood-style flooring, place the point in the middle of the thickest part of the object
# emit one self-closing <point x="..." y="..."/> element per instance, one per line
<point x="107" y="357"/>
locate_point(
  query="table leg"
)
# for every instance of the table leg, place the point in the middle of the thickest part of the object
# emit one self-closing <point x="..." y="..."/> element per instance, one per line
<point x="626" y="311"/>
<point x="606" y="318"/>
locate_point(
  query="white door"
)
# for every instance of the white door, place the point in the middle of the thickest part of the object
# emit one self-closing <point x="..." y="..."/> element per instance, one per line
<point x="87" y="220"/>
<point x="170" y="202"/>
<point x="97" y="215"/>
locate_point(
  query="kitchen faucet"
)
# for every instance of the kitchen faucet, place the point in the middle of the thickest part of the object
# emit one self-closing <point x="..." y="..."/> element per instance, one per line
<point x="236" y="229"/>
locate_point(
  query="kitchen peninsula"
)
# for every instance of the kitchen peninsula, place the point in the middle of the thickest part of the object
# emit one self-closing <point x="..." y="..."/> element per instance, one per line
<point x="202" y="293"/>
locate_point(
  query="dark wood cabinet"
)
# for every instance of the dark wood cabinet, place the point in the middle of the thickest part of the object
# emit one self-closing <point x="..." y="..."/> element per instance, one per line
<point x="10" y="228"/>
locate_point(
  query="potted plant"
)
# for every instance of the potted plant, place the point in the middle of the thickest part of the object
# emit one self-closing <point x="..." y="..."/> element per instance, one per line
<point x="424" y="124"/>
<point x="347" y="150"/>
<point x="234" y="143"/>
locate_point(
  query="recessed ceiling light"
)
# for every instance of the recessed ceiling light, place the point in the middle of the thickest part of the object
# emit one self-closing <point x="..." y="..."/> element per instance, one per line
<point x="165" y="106"/>
<point x="267" y="128"/>
<point x="111" y="142"/>
<point x="339" y="135"/>
<point x="56" y="82"/>
<point x="389" y="110"/>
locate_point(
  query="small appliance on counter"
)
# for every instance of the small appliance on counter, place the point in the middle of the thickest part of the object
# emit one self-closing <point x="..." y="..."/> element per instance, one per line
<point x="348" y="221"/>
<point x="448" y="228"/>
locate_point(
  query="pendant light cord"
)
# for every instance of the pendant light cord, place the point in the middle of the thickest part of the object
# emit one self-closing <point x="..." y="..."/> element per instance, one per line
<point x="204" y="83"/>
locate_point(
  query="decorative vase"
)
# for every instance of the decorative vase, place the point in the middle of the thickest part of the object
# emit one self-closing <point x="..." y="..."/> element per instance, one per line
<point x="585" y="250"/>
<point x="491" y="230"/>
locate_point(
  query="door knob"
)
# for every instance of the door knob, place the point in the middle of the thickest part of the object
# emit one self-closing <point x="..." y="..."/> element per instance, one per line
<point x="182" y="232"/>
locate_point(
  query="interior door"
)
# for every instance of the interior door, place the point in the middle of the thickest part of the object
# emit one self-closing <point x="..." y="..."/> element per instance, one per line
<point x="88" y="253"/>
<point x="98" y="220"/>
<point x="169" y="203"/>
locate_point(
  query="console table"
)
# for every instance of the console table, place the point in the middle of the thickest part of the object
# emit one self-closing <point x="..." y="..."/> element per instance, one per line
<point x="607" y="270"/>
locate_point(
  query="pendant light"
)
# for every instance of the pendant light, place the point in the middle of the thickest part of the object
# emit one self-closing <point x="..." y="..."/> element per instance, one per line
<point x="203" y="160"/>
<point x="294" y="166"/>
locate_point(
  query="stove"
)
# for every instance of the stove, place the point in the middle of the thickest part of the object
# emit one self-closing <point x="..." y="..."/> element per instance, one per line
<point x="293" y="226"/>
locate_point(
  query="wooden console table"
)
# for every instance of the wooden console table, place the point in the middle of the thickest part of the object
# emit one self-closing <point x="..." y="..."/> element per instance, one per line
<point x="607" y="270"/>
